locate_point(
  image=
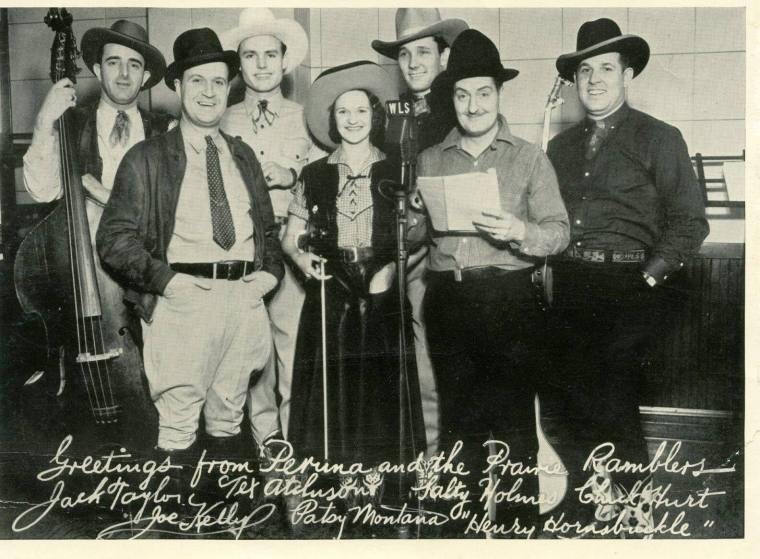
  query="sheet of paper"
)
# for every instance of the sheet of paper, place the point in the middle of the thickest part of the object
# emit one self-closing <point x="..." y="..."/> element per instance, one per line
<point x="455" y="201"/>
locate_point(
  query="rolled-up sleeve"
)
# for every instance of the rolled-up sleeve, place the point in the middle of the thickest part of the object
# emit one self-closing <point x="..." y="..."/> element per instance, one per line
<point x="547" y="230"/>
<point x="41" y="167"/>
<point x="297" y="205"/>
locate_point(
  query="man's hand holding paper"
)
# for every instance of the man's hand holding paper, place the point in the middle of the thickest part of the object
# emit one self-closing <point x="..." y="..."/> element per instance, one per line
<point x="454" y="202"/>
<point x="501" y="226"/>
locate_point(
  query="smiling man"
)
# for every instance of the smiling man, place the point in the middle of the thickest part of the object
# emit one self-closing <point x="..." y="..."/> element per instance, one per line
<point x="422" y="48"/>
<point x="189" y="229"/>
<point x="274" y="127"/>
<point x="481" y="313"/>
<point x="636" y="215"/>
<point x="125" y="64"/>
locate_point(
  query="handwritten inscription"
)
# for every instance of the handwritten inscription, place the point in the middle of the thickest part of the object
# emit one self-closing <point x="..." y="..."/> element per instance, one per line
<point x="231" y="498"/>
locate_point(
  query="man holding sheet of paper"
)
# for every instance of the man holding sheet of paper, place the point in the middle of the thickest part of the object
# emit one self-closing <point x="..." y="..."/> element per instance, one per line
<point x="482" y="315"/>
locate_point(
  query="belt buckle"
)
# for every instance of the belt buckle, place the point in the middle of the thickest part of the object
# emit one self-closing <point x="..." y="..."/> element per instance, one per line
<point x="354" y="257"/>
<point x="226" y="267"/>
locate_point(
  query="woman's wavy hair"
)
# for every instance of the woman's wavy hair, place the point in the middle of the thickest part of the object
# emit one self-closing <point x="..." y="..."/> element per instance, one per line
<point x="377" y="131"/>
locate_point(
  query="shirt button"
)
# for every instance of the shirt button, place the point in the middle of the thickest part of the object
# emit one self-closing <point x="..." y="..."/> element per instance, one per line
<point x="584" y="197"/>
<point x="577" y="221"/>
<point x="586" y="174"/>
<point x="578" y="244"/>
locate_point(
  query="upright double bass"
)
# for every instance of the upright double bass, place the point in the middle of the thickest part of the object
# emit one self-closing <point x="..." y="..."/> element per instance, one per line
<point x="94" y="373"/>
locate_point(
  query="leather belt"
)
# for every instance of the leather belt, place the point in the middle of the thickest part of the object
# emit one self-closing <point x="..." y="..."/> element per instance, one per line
<point x="473" y="274"/>
<point x="228" y="270"/>
<point x="353" y="255"/>
<point x="606" y="256"/>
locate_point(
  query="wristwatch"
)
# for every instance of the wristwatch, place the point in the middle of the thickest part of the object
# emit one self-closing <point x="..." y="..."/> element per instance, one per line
<point x="649" y="279"/>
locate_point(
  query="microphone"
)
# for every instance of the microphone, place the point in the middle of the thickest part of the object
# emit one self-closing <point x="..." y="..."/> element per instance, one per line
<point x="401" y="139"/>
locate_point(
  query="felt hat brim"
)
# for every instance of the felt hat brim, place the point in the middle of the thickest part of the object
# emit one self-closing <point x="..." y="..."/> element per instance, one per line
<point x="448" y="29"/>
<point x="632" y="46"/>
<point x="287" y="31"/>
<point x="326" y="89"/>
<point x="176" y="69"/>
<point x="95" y="38"/>
<point x="446" y="79"/>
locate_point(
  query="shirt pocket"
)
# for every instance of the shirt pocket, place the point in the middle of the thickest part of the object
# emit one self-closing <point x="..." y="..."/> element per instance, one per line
<point x="295" y="149"/>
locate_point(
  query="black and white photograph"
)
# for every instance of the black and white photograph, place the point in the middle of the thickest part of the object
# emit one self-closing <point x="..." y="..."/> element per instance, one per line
<point x="374" y="274"/>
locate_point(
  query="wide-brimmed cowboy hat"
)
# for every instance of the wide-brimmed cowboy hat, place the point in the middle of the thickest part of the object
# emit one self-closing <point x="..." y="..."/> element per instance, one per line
<point x="332" y="83"/>
<point x="130" y="35"/>
<point x="195" y="47"/>
<point x="415" y="23"/>
<point x="472" y="55"/>
<point x="261" y="21"/>
<point x="601" y="36"/>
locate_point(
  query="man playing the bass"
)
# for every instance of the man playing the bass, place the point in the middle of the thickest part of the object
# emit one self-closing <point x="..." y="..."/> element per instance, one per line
<point x="81" y="154"/>
<point x="125" y="64"/>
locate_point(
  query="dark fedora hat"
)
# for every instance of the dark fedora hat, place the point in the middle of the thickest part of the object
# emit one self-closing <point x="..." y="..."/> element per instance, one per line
<point x="130" y="35"/>
<point x="195" y="47"/>
<point x="601" y="36"/>
<point x="473" y="55"/>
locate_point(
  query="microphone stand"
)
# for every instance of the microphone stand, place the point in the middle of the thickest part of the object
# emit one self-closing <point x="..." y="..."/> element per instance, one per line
<point x="406" y="415"/>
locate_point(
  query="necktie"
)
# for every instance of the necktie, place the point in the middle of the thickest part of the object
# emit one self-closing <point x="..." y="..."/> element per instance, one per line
<point x="597" y="137"/>
<point x="265" y="115"/>
<point x="120" y="132"/>
<point x="221" y="216"/>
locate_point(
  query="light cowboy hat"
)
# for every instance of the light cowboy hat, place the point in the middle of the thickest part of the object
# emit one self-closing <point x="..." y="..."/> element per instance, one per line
<point x="415" y="23"/>
<point x="601" y="36"/>
<point x="261" y="21"/>
<point x="128" y="34"/>
<point x="334" y="82"/>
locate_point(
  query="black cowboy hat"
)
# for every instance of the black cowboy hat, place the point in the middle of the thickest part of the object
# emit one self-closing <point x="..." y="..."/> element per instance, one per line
<point x="130" y="35"/>
<point x="473" y="55"/>
<point x="195" y="47"/>
<point x="601" y="36"/>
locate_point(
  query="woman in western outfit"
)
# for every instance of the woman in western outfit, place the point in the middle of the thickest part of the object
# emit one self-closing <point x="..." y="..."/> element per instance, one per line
<point x="349" y="226"/>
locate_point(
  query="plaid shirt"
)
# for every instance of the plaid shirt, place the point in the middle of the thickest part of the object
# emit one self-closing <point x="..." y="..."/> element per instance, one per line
<point x="353" y="204"/>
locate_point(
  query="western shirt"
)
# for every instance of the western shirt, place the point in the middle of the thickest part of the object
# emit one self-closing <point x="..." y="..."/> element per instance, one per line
<point x="639" y="191"/>
<point x="282" y="139"/>
<point x="527" y="189"/>
<point x="192" y="239"/>
<point x="354" y="202"/>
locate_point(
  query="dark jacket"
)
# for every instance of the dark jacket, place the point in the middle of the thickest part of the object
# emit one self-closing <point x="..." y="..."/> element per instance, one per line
<point x="138" y="221"/>
<point x="86" y="134"/>
<point x="639" y="191"/>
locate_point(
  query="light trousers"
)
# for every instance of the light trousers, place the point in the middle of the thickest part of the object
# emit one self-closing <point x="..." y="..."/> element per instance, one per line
<point x="200" y="350"/>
